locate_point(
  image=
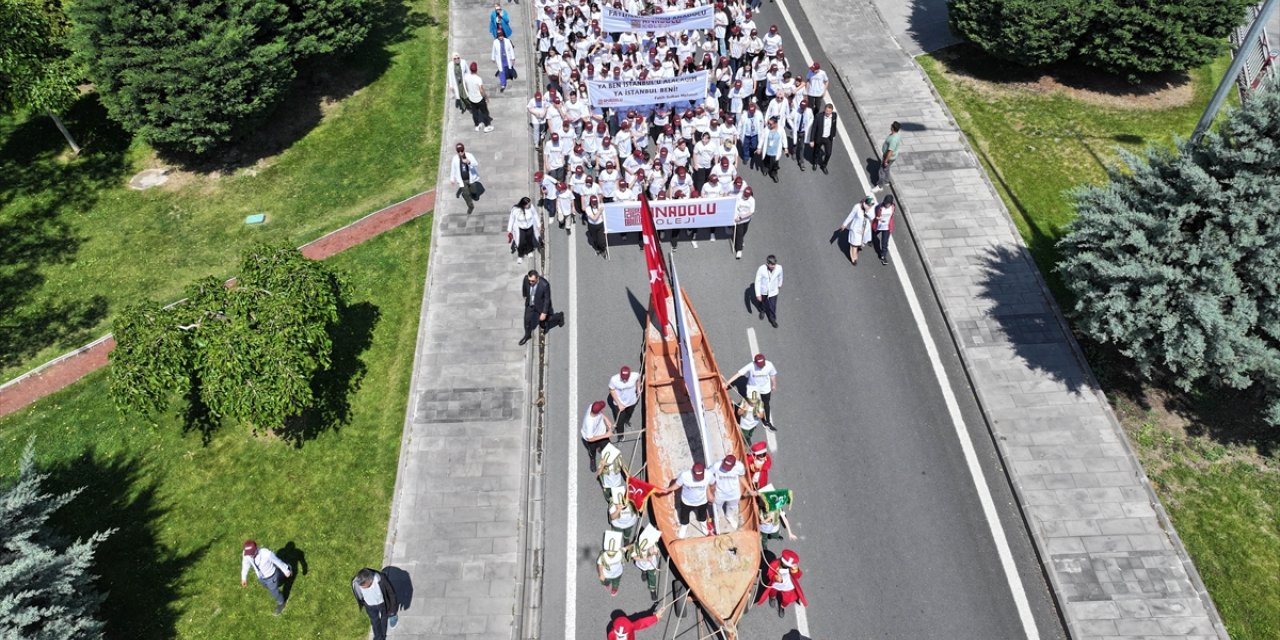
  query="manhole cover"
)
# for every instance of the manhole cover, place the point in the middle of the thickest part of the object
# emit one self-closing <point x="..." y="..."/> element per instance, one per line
<point x="149" y="178"/>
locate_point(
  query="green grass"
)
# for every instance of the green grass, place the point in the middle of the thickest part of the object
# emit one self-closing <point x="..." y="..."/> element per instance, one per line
<point x="1214" y="470"/>
<point x="1224" y="502"/>
<point x="1037" y="146"/>
<point x="358" y="134"/>
<point x="184" y="507"/>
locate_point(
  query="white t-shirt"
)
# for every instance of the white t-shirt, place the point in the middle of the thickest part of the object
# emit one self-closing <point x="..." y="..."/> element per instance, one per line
<point x="783" y="582"/>
<point x="693" y="492"/>
<point x="759" y="378"/>
<point x="611" y="563"/>
<point x="727" y="486"/>
<point x="626" y="390"/>
<point x="593" y="426"/>
<point x="626" y="518"/>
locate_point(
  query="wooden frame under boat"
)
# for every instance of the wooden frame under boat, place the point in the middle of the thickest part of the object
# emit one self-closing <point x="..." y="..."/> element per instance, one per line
<point x="721" y="570"/>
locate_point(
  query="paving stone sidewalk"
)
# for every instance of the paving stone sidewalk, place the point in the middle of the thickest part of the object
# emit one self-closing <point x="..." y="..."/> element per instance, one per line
<point x="1113" y="559"/>
<point x="457" y="516"/>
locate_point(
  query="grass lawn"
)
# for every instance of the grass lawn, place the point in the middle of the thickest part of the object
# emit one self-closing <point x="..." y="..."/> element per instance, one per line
<point x="183" y="507"/>
<point x="1039" y="138"/>
<point x="1212" y="463"/>
<point x="357" y="134"/>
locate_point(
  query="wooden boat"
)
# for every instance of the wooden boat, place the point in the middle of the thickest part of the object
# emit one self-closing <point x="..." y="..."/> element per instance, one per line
<point x="719" y="570"/>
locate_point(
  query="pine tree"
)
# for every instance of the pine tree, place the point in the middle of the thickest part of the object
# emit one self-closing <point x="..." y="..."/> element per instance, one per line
<point x="1176" y="260"/>
<point x="1135" y="37"/>
<point x="46" y="589"/>
<point x="1122" y="37"/>
<point x="249" y="351"/>
<point x="1031" y="33"/>
<point x="323" y="27"/>
<point x="185" y="76"/>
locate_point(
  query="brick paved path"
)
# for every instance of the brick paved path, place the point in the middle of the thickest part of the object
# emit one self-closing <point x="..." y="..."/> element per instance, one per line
<point x="65" y="370"/>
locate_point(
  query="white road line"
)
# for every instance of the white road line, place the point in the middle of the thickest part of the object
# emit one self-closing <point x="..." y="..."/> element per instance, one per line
<point x="1016" y="589"/>
<point x="802" y="619"/>
<point x="754" y="346"/>
<point x="571" y="501"/>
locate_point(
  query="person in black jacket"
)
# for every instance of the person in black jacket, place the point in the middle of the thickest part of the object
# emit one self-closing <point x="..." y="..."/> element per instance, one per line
<point x="537" y="305"/>
<point x="374" y="592"/>
<point x="822" y="136"/>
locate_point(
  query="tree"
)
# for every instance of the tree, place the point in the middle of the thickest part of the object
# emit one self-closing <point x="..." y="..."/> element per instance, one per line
<point x="192" y="75"/>
<point x="1176" y="260"/>
<point x="323" y="27"/>
<point x="1122" y="37"/>
<point x="36" y="70"/>
<point x="248" y="351"/>
<point x="46" y="588"/>
<point x="1136" y="37"/>
<point x="1031" y="33"/>
<point x="185" y="76"/>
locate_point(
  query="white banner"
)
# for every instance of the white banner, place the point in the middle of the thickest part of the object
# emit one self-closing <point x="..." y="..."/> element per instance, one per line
<point x="615" y="20"/>
<point x="637" y="93"/>
<point x="696" y="213"/>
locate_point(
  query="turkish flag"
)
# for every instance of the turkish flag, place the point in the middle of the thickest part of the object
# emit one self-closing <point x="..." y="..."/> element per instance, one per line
<point x="638" y="492"/>
<point x="658" y="292"/>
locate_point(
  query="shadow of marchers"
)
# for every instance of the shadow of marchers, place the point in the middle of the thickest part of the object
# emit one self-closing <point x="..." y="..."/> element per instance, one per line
<point x="332" y="388"/>
<point x="402" y="582"/>
<point x="140" y="575"/>
<point x="1025" y="317"/>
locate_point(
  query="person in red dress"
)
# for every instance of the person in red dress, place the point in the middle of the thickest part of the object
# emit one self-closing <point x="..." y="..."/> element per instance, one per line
<point x="784" y="583"/>
<point x="759" y="464"/>
<point x="623" y="628"/>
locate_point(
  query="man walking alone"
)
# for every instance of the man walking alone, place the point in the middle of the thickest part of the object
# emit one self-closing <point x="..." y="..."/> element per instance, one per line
<point x="767" y="285"/>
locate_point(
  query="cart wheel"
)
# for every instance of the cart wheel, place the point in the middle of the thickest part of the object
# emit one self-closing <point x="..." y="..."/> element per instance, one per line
<point x="679" y="591"/>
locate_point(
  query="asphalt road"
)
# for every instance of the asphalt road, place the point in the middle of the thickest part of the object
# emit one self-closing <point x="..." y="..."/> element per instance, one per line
<point x="894" y="541"/>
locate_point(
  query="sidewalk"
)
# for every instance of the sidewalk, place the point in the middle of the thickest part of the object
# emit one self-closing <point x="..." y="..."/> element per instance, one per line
<point x="1115" y="564"/>
<point x="457" y="522"/>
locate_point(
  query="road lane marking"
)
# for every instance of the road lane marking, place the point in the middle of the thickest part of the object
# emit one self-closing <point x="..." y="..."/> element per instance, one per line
<point x="802" y="619"/>
<point x="571" y="538"/>
<point x="953" y="407"/>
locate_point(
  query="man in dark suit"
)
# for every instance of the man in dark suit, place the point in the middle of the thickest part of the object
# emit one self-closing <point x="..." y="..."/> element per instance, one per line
<point x="537" y="305"/>
<point x="822" y="136"/>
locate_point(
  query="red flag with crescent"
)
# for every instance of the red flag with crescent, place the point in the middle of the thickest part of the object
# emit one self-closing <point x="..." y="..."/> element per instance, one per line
<point x="638" y="492"/>
<point x="658" y="292"/>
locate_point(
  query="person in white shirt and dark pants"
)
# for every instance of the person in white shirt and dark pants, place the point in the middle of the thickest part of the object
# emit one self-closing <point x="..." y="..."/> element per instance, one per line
<point x="761" y="378"/>
<point x="267" y="567"/>
<point x="374" y="592"/>
<point x="768" y="283"/>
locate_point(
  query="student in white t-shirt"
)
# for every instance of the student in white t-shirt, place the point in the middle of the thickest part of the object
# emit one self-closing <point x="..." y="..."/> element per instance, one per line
<point x="696" y="491"/>
<point x="730" y="479"/>
<point x="762" y="378"/>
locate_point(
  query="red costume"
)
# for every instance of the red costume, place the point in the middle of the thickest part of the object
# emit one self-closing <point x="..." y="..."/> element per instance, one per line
<point x="759" y="465"/>
<point x="623" y="627"/>
<point x="784" y="581"/>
